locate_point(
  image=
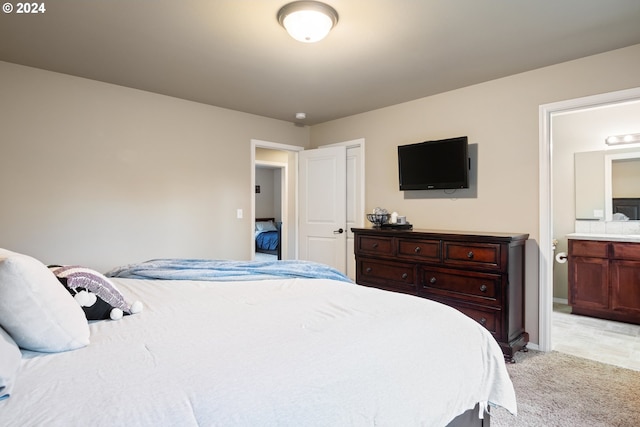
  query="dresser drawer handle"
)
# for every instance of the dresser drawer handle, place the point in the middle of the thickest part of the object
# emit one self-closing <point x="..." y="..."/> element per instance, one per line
<point x="405" y="275"/>
<point x="483" y="288"/>
<point x="417" y="249"/>
<point x="368" y="270"/>
<point x="432" y="280"/>
<point x="470" y="255"/>
<point x="483" y="321"/>
<point x="375" y="245"/>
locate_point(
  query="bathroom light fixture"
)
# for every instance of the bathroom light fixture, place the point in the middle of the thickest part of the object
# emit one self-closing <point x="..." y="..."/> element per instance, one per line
<point x="622" y="139"/>
<point x="307" y="21"/>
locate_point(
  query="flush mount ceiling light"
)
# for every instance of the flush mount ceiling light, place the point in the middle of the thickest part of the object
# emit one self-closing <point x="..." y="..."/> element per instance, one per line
<point x="623" y="139"/>
<point x="307" y="21"/>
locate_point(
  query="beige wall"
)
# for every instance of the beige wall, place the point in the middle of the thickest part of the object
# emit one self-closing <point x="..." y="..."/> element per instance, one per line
<point x="625" y="177"/>
<point x="268" y="201"/>
<point x="266" y="206"/>
<point x="501" y="117"/>
<point x="271" y="155"/>
<point x="102" y="175"/>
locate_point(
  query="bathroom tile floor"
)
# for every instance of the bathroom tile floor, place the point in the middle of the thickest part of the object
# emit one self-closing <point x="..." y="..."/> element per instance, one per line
<point x="606" y="341"/>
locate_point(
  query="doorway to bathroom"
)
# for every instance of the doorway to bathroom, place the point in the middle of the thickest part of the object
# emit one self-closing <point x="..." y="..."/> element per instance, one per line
<point x="568" y="128"/>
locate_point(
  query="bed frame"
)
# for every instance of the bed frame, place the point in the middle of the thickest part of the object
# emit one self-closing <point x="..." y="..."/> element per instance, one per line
<point x="630" y="206"/>
<point x="470" y="419"/>
<point x="278" y="250"/>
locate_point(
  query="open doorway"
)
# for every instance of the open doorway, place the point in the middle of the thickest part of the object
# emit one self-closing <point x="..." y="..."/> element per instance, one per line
<point x="548" y="189"/>
<point x="270" y="197"/>
<point x="580" y="205"/>
<point x="273" y="169"/>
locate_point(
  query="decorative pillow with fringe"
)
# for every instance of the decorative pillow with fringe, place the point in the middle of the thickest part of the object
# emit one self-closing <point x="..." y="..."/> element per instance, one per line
<point x="96" y="294"/>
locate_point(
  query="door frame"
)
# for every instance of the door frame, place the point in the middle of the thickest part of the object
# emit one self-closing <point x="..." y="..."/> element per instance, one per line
<point x="291" y="226"/>
<point x="545" y="262"/>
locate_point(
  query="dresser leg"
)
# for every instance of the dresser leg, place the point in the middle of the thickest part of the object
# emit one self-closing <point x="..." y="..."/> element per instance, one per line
<point x="511" y="359"/>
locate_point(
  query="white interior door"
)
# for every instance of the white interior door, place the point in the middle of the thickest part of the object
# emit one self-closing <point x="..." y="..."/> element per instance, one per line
<point x="322" y="175"/>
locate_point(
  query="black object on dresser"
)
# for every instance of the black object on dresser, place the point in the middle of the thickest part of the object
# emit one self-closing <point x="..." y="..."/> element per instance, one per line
<point x="482" y="275"/>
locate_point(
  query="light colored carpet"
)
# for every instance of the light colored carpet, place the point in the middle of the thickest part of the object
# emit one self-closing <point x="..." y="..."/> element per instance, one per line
<point x="557" y="389"/>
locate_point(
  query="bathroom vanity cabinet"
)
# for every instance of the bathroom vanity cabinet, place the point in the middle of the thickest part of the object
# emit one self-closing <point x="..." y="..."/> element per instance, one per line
<point x="604" y="279"/>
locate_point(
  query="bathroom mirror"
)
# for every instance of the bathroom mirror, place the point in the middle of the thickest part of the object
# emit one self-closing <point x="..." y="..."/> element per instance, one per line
<point x="601" y="177"/>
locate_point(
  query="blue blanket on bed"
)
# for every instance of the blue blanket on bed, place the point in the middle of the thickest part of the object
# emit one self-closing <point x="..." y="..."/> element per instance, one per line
<point x="220" y="270"/>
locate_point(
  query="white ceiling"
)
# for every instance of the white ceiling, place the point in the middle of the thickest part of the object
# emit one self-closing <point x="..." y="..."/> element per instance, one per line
<point x="234" y="54"/>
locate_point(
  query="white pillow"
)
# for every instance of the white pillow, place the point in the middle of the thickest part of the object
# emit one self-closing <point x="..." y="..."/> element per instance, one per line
<point x="265" y="226"/>
<point x="35" y="309"/>
<point x="10" y="357"/>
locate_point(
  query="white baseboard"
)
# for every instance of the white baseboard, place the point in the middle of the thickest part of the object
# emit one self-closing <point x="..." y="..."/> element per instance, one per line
<point x="564" y="301"/>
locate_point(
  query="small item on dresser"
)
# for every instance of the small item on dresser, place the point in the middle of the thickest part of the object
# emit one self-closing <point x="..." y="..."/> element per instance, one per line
<point x="378" y="217"/>
<point x="398" y="226"/>
<point x="397" y="222"/>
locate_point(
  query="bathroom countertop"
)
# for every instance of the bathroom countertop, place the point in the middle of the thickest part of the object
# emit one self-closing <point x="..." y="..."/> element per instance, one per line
<point x="635" y="238"/>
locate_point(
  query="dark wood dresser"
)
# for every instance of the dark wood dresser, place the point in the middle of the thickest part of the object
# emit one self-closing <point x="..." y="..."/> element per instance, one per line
<point x="482" y="275"/>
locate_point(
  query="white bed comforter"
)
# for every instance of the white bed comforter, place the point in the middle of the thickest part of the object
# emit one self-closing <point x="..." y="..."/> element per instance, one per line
<point x="292" y="352"/>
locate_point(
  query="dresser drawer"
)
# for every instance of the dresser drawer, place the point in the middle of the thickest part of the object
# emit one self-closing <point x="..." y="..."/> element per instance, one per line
<point x="428" y="250"/>
<point x="392" y="276"/>
<point x="627" y="251"/>
<point x="488" y="317"/>
<point x="485" y="255"/>
<point x="588" y="248"/>
<point x="373" y="245"/>
<point x="481" y="288"/>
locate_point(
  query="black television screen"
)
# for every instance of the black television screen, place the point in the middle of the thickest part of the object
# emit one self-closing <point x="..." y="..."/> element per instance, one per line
<point x="431" y="165"/>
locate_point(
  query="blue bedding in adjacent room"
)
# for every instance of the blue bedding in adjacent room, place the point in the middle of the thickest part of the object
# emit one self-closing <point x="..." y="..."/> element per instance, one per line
<point x="267" y="240"/>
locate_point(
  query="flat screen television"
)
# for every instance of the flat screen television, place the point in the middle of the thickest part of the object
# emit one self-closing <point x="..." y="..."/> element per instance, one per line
<point x="432" y="165"/>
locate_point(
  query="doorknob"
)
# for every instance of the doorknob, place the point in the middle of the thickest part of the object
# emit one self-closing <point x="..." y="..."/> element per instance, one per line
<point x="338" y="231"/>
